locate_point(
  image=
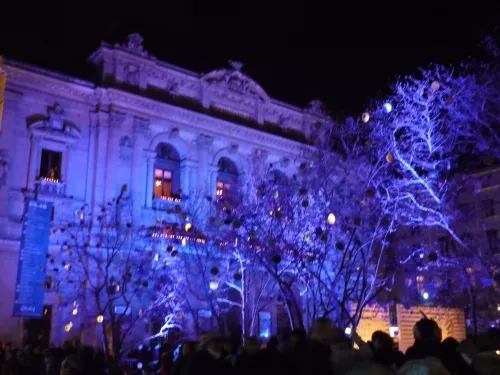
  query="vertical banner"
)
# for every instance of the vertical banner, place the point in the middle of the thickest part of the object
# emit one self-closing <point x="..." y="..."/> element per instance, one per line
<point x="30" y="284"/>
<point x="451" y="321"/>
<point x="3" y="82"/>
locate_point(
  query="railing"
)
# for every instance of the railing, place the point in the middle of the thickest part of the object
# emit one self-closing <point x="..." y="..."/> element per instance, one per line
<point x="51" y="186"/>
<point x="165" y="203"/>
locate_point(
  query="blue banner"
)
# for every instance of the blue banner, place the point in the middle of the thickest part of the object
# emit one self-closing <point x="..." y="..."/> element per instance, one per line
<point x="30" y="285"/>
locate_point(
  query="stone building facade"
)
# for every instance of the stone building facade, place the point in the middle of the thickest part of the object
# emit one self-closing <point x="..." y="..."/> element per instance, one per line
<point x="164" y="131"/>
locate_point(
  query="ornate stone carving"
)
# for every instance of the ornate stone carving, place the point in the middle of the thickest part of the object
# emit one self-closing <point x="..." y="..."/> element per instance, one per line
<point x="317" y="108"/>
<point x="126" y="148"/>
<point x="134" y="45"/>
<point x="236" y="82"/>
<point x="54" y="123"/>
<point x="233" y="149"/>
<point x="131" y="72"/>
<point x="141" y="125"/>
<point x="204" y="141"/>
<point x="284" y="162"/>
<point x="116" y="119"/>
<point x="236" y="65"/>
<point x="174" y="133"/>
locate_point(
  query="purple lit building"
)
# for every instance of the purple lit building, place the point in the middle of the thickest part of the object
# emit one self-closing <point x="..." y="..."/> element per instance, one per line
<point x="158" y="128"/>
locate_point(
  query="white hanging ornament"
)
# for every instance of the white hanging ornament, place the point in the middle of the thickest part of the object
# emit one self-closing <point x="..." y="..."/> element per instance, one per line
<point x="388" y="107"/>
<point x="435" y="85"/>
<point x="365" y="117"/>
<point x="331" y="218"/>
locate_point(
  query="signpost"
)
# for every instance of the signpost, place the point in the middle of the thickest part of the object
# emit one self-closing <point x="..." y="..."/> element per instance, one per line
<point x="30" y="284"/>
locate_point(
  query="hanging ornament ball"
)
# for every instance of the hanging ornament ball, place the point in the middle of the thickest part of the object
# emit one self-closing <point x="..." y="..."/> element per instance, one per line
<point x="449" y="100"/>
<point x="173" y="253"/>
<point x="237" y="276"/>
<point x="214" y="271"/>
<point x="170" y="248"/>
<point x="433" y="256"/>
<point x="303" y="191"/>
<point x="357" y="221"/>
<point x="305" y="203"/>
<point x="389" y="157"/>
<point x="435" y="85"/>
<point x="365" y="117"/>
<point x="388" y="107"/>
<point x="214" y="285"/>
<point x="318" y="231"/>
<point x="324" y="237"/>
<point x="276" y="259"/>
<point x="340" y="246"/>
<point x="331" y="218"/>
<point x="100" y="318"/>
<point x="308" y="237"/>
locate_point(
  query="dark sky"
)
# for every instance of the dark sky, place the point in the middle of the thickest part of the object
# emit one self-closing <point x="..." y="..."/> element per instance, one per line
<point x="340" y="52"/>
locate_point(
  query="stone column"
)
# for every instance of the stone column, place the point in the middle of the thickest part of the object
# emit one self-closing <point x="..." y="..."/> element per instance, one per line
<point x="203" y="144"/>
<point x="101" y="148"/>
<point x="150" y="159"/>
<point x="139" y="167"/>
<point x="112" y="158"/>
<point x="188" y="184"/>
<point x="34" y="167"/>
<point x="213" y="170"/>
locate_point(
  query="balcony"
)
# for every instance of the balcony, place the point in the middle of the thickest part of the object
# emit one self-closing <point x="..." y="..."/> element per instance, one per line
<point x="165" y="203"/>
<point x="50" y="186"/>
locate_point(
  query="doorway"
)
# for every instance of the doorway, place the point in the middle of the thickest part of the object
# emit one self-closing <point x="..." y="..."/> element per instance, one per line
<point x="37" y="330"/>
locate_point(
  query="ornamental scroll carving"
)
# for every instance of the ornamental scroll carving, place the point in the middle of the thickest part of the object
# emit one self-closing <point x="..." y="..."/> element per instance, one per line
<point x="204" y="141"/>
<point x="141" y="125"/>
<point x="116" y="119"/>
<point x="126" y="148"/>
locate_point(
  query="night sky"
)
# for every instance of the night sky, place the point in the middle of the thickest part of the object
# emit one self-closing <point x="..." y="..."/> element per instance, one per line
<point x="343" y="53"/>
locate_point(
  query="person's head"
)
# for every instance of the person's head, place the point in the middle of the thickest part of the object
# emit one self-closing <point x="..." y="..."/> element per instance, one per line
<point x="323" y="331"/>
<point x="297" y="337"/>
<point x="252" y="345"/>
<point x="71" y="365"/>
<point x="273" y="343"/>
<point x="187" y="349"/>
<point x="427" y="329"/>
<point x="213" y="342"/>
<point x="381" y="341"/>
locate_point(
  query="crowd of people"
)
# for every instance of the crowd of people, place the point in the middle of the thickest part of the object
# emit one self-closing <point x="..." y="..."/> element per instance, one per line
<point x="326" y="351"/>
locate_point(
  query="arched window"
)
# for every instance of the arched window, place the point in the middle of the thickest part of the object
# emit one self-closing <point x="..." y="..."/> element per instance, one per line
<point x="227" y="179"/>
<point x="167" y="172"/>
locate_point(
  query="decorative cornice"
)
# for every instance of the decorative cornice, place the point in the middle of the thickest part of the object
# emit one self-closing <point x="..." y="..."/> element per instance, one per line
<point x="201" y="123"/>
<point x="38" y="81"/>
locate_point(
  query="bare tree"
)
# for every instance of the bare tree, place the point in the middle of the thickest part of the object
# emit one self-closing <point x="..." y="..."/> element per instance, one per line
<point x="111" y="274"/>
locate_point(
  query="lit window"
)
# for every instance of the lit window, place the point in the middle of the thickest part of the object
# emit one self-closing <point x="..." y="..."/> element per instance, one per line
<point x="163" y="183"/>
<point x="223" y="189"/>
<point x="50" y="165"/>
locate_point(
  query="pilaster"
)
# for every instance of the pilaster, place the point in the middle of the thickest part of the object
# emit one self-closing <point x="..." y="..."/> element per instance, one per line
<point x="188" y="171"/>
<point x="101" y="148"/>
<point x="150" y="162"/>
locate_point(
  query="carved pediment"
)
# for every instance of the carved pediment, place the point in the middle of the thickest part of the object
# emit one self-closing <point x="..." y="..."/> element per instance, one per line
<point x="234" y="81"/>
<point x="54" y="123"/>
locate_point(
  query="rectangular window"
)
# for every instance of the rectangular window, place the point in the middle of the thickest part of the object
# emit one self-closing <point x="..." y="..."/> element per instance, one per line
<point x="50" y="164"/>
<point x="163" y="183"/>
<point x="265" y="321"/>
<point x="223" y="190"/>
<point x="492" y="237"/>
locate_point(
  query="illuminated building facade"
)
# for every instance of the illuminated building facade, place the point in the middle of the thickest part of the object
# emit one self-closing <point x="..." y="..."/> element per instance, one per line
<point x="163" y="131"/>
